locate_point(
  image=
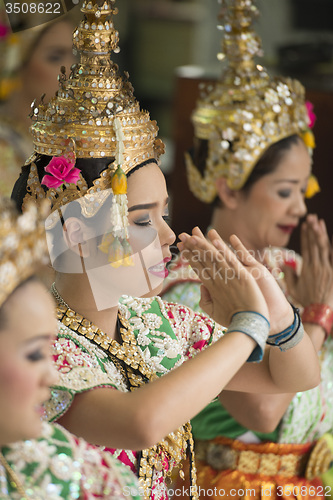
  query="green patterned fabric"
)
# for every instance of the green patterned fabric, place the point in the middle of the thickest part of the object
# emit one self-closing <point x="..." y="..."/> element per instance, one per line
<point x="214" y="421"/>
<point x="60" y="466"/>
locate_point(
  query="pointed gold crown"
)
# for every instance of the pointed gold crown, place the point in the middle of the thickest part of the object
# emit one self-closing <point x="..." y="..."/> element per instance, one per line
<point x="94" y="114"/>
<point x="246" y="112"/>
<point x="22" y="245"/>
<point x="83" y="111"/>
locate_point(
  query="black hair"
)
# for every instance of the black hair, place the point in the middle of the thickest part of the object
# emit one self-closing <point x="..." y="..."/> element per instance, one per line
<point x="91" y="169"/>
<point x="143" y="164"/>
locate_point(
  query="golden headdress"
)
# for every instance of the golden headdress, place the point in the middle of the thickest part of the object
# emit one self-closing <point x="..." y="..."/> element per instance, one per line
<point x="22" y="245"/>
<point x="247" y="111"/>
<point x="94" y="114"/>
<point x="93" y="95"/>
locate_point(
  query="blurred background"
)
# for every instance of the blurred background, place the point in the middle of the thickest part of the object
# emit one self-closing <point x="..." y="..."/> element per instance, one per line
<point x="170" y="46"/>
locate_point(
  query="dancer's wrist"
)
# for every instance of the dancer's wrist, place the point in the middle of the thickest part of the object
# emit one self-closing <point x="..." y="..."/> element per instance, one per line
<point x="319" y="314"/>
<point x="256" y="326"/>
<point x="290" y="336"/>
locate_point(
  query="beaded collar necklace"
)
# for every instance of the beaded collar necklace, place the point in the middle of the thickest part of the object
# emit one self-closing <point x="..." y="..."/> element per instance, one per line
<point x="126" y="352"/>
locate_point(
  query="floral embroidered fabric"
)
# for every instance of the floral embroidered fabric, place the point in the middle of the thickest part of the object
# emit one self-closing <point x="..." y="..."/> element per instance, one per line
<point x="166" y="335"/>
<point x="59" y="465"/>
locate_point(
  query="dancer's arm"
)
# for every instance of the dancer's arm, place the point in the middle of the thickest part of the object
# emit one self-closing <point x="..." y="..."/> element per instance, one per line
<point x="139" y="419"/>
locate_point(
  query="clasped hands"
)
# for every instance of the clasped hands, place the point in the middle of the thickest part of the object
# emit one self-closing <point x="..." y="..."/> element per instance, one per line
<point x="233" y="280"/>
<point x="314" y="284"/>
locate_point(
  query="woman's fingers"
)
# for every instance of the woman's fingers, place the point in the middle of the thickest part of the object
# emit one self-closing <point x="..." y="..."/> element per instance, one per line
<point x="212" y="260"/>
<point x="196" y="231"/>
<point x="324" y="242"/>
<point x="204" y="258"/>
<point x="312" y="225"/>
<point x="318" y="242"/>
<point x="305" y="244"/>
<point x="242" y="253"/>
<point x="231" y="255"/>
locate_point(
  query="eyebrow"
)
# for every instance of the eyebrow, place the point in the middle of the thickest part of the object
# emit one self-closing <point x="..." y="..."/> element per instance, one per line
<point x="292" y="181"/>
<point x="58" y="48"/>
<point x="146" y="206"/>
<point x="38" y="338"/>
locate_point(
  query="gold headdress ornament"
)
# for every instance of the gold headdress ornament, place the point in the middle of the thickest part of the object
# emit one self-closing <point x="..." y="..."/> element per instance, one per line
<point x="22" y="245"/>
<point x="93" y="115"/>
<point x="246" y="111"/>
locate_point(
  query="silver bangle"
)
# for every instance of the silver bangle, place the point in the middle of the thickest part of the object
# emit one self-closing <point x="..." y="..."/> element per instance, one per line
<point x="294" y="340"/>
<point x="291" y="336"/>
<point x="256" y="326"/>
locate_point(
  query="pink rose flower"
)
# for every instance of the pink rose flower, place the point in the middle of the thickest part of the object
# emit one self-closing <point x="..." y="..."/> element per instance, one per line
<point x="61" y="170"/>
<point x="311" y="116"/>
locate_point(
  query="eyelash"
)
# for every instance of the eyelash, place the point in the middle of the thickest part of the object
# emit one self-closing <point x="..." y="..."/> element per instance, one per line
<point x="284" y="194"/>
<point x="35" y="356"/>
<point x="166" y="218"/>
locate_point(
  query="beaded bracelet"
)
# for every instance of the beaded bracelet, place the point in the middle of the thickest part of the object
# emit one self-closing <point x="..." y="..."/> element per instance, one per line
<point x="256" y="326"/>
<point x="319" y="314"/>
<point x="289" y="337"/>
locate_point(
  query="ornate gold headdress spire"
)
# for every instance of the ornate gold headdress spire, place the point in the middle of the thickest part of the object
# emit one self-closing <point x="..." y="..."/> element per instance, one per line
<point x="94" y="114"/>
<point x="83" y="111"/>
<point x="246" y="111"/>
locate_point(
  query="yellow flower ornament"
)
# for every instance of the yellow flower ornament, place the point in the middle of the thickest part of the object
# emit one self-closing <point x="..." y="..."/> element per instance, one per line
<point x="312" y="187"/>
<point x="309" y="139"/>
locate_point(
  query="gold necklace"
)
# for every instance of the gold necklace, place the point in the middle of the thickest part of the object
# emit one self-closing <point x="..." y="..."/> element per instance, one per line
<point x="13" y="478"/>
<point x="127" y="352"/>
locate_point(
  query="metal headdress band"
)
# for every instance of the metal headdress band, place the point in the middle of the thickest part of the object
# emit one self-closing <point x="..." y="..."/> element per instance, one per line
<point x="23" y="246"/>
<point x="246" y="111"/>
<point x="93" y="115"/>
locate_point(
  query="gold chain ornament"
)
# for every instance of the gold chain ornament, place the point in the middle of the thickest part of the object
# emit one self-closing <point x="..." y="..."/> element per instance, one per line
<point x="13" y="478"/>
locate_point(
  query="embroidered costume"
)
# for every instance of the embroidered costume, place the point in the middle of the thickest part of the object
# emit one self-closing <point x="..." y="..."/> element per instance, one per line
<point x="57" y="465"/>
<point x="225" y="462"/>
<point x="60" y="466"/>
<point x="162" y="337"/>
